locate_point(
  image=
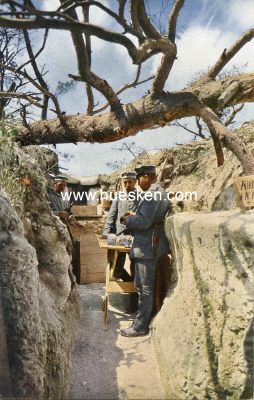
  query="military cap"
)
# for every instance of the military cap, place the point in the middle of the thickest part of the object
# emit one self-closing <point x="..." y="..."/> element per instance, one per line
<point x="57" y="178"/>
<point x="129" y="175"/>
<point x="145" y="169"/>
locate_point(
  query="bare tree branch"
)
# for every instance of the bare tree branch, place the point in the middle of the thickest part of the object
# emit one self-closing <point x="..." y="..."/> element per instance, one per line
<point x="173" y="19"/>
<point x="38" y="52"/>
<point x="12" y="2"/>
<point x="37" y="74"/>
<point x="145" y="113"/>
<point x="200" y="128"/>
<point x="87" y="4"/>
<point x="135" y="19"/>
<point x="145" y="23"/>
<point x="89" y="90"/>
<point x="185" y="127"/>
<point x="202" y="99"/>
<point x="135" y="83"/>
<point x="163" y="72"/>
<point x="231" y="117"/>
<point x="148" y="48"/>
<point x="24" y="96"/>
<point x="11" y="45"/>
<point x="4" y="101"/>
<point x="38" y="22"/>
<point x="37" y="85"/>
<point x="121" y="8"/>
<point x="231" y="141"/>
<point x="87" y="75"/>
<point x="227" y="55"/>
<point x="226" y="96"/>
<point x="169" y="57"/>
<point x="23" y="114"/>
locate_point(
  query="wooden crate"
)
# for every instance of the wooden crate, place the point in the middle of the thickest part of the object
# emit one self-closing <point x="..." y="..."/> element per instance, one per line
<point x="93" y="260"/>
<point x="84" y="211"/>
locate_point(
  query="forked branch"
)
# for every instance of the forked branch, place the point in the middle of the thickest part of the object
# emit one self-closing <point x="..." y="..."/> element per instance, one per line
<point x="228" y="54"/>
<point x="173" y="19"/>
<point x="231" y="141"/>
<point x="169" y="57"/>
<point x="145" y="22"/>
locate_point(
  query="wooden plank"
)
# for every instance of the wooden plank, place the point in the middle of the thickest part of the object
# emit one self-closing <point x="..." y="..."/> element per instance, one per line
<point x="92" y="246"/>
<point x="91" y="251"/>
<point x="85" y="238"/>
<point x="89" y="268"/>
<point x="103" y="245"/>
<point x="92" y="269"/>
<point x="85" y="243"/>
<point x="83" y="211"/>
<point x="120" y="287"/>
<point x="93" y="257"/>
<point x="95" y="265"/>
<point x="93" y="260"/>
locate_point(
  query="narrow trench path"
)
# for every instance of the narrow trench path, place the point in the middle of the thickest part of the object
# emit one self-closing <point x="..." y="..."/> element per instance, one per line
<point x="106" y="365"/>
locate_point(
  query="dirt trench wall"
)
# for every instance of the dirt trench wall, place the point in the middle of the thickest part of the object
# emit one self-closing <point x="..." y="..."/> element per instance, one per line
<point x="193" y="168"/>
<point x="38" y="290"/>
<point x="203" y="335"/>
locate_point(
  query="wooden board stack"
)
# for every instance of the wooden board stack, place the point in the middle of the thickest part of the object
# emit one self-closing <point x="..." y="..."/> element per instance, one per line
<point x="93" y="260"/>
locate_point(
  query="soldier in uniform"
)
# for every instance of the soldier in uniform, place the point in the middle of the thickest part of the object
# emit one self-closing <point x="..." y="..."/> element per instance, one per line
<point x="59" y="205"/>
<point x="118" y="208"/>
<point x="62" y="208"/>
<point x="150" y="242"/>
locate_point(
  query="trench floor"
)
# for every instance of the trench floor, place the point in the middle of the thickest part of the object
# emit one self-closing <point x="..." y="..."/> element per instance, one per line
<point x="106" y="365"/>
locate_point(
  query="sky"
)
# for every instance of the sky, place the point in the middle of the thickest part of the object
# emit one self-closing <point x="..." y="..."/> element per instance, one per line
<point x="205" y="28"/>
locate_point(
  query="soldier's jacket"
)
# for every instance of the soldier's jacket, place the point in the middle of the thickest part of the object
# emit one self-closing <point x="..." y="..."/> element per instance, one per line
<point x="57" y="203"/>
<point x="117" y="210"/>
<point x="149" y="217"/>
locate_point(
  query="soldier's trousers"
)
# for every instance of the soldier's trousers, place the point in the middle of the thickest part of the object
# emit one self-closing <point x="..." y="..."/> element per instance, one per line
<point x="120" y="271"/>
<point x="144" y="283"/>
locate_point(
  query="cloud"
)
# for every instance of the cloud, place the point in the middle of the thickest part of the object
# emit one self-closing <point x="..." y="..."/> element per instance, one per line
<point x="242" y="13"/>
<point x="59" y="57"/>
<point x="198" y="48"/>
<point x="49" y="5"/>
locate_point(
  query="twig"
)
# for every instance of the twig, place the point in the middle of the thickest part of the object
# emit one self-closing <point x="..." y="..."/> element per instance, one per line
<point x="89" y="90"/>
<point x="231" y="117"/>
<point x="145" y="23"/>
<point x="173" y="19"/>
<point x="38" y="52"/>
<point x="227" y="55"/>
<point x="21" y="96"/>
<point x="39" y="87"/>
<point x="125" y="87"/>
<point x="37" y="74"/>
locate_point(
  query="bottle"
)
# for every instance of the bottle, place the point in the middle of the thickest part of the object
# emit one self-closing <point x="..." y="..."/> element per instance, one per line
<point x="111" y="239"/>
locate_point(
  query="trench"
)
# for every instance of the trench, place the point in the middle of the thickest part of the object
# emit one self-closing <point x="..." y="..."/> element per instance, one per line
<point x="106" y="365"/>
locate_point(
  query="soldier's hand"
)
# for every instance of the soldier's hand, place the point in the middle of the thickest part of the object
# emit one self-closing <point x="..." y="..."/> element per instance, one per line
<point x="131" y="213"/>
<point x="71" y="219"/>
<point x="103" y="236"/>
<point x="63" y="215"/>
<point x="123" y="219"/>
